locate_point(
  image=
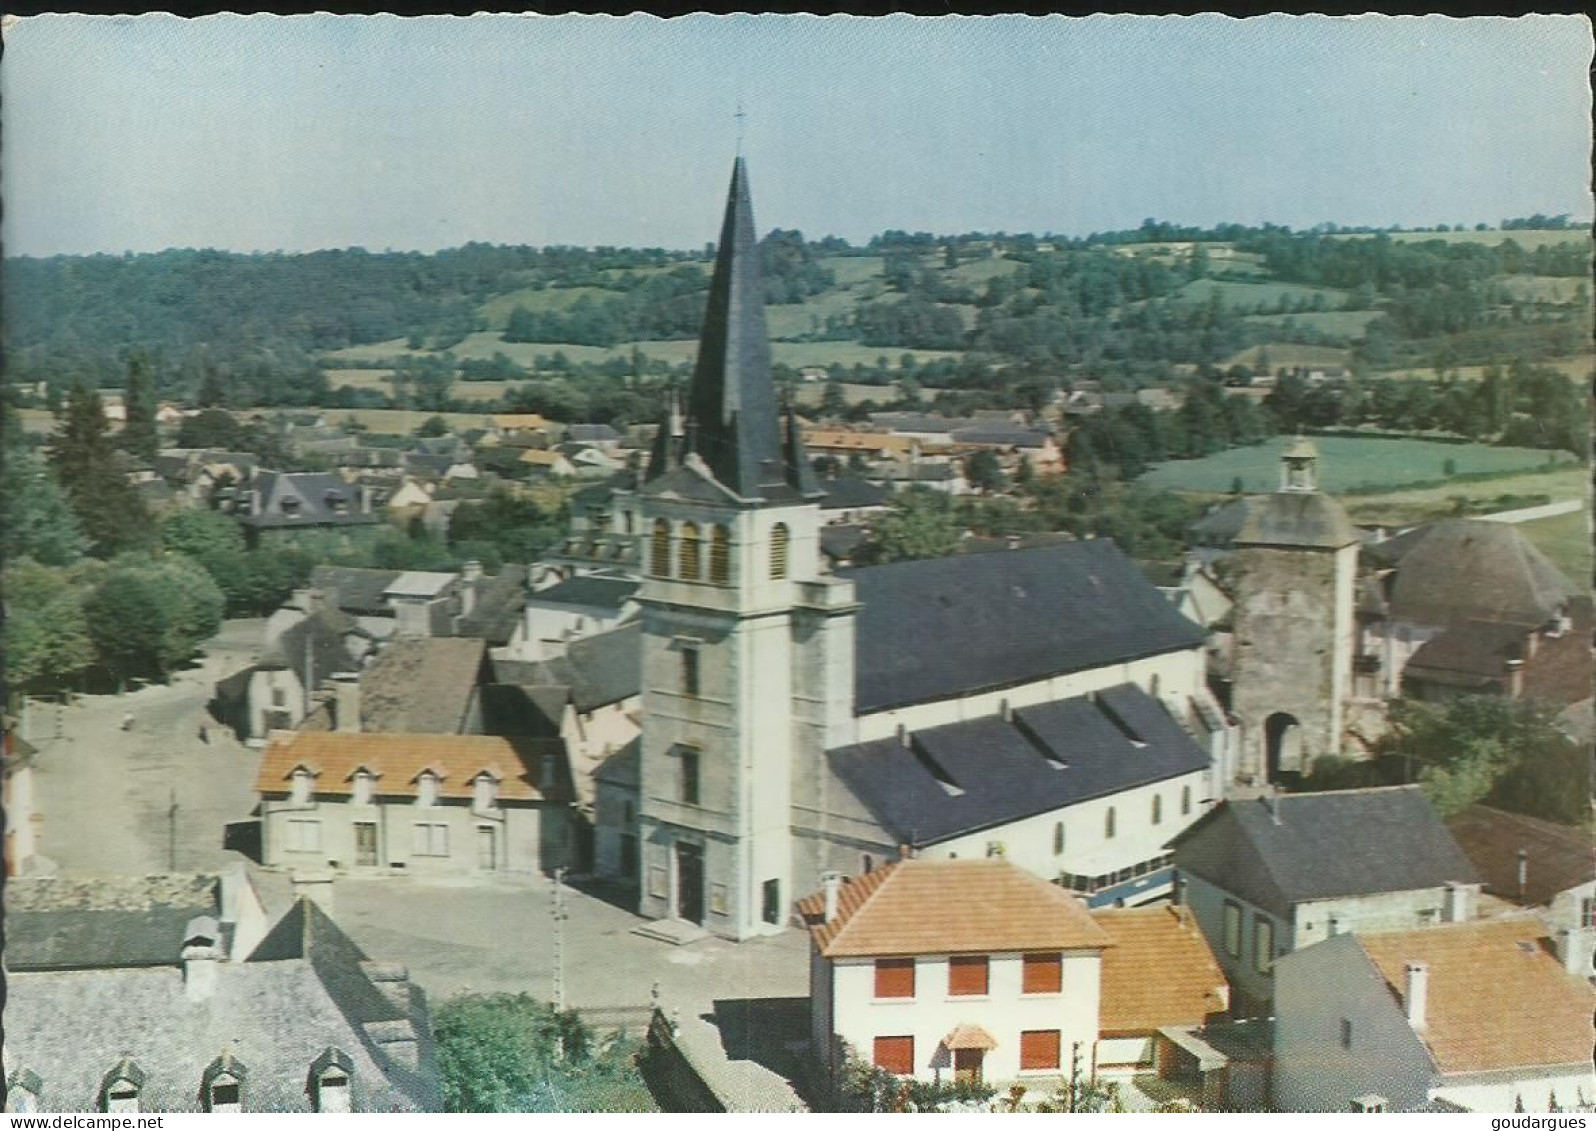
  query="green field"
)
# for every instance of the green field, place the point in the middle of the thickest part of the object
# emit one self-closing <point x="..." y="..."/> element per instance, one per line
<point x="1289" y="355"/>
<point x="1581" y="367"/>
<point x="1492" y="237"/>
<point x="1541" y="288"/>
<point x="1566" y="540"/>
<point x="497" y="310"/>
<point x="851" y="269"/>
<point x="1405" y="507"/>
<point x="978" y="271"/>
<point x="1249" y="295"/>
<point x="809" y="394"/>
<point x="1346" y="463"/>
<point x="1347" y="324"/>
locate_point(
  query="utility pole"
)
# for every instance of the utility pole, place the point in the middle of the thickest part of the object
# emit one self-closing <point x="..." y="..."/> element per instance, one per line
<point x="171" y="832"/>
<point x="558" y="912"/>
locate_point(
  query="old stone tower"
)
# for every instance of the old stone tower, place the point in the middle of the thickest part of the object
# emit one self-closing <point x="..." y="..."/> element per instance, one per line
<point x="1297" y="558"/>
<point x="747" y="649"/>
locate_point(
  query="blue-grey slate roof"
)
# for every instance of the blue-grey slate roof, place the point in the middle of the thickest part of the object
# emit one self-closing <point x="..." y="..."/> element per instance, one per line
<point x="588" y="590"/>
<point x="943" y="627"/>
<point x="1342" y="843"/>
<point x="967" y="776"/>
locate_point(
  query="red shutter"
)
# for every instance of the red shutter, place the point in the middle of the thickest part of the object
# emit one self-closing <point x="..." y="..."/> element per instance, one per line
<point x="896" y="1054"/>
<point x="967" y="974"/>
<point x="1044" y="973"/>
<point x="894" y="977"/>
<point x="1039" y="1049"/>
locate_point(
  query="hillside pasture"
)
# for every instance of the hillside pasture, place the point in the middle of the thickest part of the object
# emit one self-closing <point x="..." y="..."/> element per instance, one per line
<point x="1541" y="288"/>
<point x="977" y="271"/>
<point x="1349" y="463"/>
<point x="1247" y="296"/>
<point x="378" y="379"/>
<point x="1405" y="507"/>
<point x="497" y="310"/>
<point x="1580" y="367"/>
<point x="850" y="270"/>
<point x="1491" y="237"/>
<point x="1288" y="354"/>
<point x="1565" y="539"/>
<point x="1347" y="324"/>
<point x="809" y="394"/>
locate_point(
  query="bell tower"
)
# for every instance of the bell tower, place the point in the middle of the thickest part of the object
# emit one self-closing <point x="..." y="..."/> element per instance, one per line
<point x="1297" y="558"/>
<point x="730" y="545"/>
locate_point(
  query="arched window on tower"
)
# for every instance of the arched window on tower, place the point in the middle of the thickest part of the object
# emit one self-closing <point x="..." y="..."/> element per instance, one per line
<point x="687" y="566"/>
<point x="1108" y="824"/>
<point x="1185" y="800"/>
<point x="720" y="555"/>
<point x="780" y="538"/>
<point x="659" y="559"/>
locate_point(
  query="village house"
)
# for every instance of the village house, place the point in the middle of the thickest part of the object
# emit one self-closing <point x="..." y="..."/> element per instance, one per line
<point x="279" y="502"/>
<point x="580" y="606"/>
<point x="953" y="970"/>
<point x="423" y="804"/>
<point x="868" y="445"/>
<point x="413" y="685"/>
<point x="1478" y="1016"/>
<point x="181" y="1012"/>
<point x="1267" y="876"/>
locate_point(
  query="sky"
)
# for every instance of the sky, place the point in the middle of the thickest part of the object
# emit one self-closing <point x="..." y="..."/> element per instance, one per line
<point x="266" y="133"/>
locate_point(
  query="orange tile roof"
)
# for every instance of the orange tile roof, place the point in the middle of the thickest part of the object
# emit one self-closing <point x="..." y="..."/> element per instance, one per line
<point x="858" y="441"/>
<point x="914" y="907"/>
<point x="398" y="759"/>
<point x="516" y="420"/>
<point x="1158" y="972"/>
<point x="967" y="1036"/>
<point x="1498" y="997"/>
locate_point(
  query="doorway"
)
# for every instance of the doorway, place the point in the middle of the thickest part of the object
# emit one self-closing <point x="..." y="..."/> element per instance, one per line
<point x="690" y="882"/>
<point x="1283" y="743"/>
<point x="967" y="1065"/>
<point x="487" y="848"/>
<point x="366" y="844"/>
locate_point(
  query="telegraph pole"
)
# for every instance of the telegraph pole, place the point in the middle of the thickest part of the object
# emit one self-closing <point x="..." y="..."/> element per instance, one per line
<point x="171" y="832"/>
<point x="558" y="912"/>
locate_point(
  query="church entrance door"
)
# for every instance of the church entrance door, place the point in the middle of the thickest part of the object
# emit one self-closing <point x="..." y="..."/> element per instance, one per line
<point x="690" y="882"/>
<point x="1283" y="739"/>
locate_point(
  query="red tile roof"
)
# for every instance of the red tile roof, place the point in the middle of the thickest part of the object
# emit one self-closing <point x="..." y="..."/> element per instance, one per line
<point x="1159" y="972"/>
<point x="398" y="759"/>
<point x="914" y="907"/>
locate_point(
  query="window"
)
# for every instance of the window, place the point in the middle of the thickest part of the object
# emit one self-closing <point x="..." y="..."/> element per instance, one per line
<point x="485" y="791"/>
<point x="867" y="864"/>
<point x="894" y="977"/>
<point x="1263" y="944"/>
<point x="332" y="1092"/>
<point x="689" y="761"/>
<point x="1039" y="1050"/>
<point x="720" y="555"/>
<point x="772" y="901"/>
<point x="1108" y="824"/>
<point x="225" y="1095"/>
<point x="1232" y="929"/>
<point x="690" y="672"/>
<point x="1185" y="801"/>
<point x="895" y="1055"/>
<point x="780" y="538"/>
<point x="1158" y="809"/>
<point x="687" y="557"/>
<point x="659" y="558"/>
<point x="304" y="836"/>
<point x="1587" y="913"/>
<point x="967" y="975"/>
<point x="300" y="787"/>
<point x="1058" y="839"/>
<point x="1346" y="1032"/>
<point x="364" y="789"/>
<point x="431" y="839"/>
<point x="427" y="789"/>
<point x="279" y="697"/>
<point x="1042" y="973"/>
<point x="122" y="1095"/>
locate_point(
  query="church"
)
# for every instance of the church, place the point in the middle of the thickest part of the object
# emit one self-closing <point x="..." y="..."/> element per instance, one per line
<point x="1045" y="705"/>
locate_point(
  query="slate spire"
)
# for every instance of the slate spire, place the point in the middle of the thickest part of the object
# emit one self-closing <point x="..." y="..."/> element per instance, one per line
<point x="732" y="422"/>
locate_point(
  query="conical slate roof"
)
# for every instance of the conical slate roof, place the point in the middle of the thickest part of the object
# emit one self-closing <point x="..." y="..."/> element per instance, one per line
<point x="1472" y="570"/>
<point x="732" y="423"/>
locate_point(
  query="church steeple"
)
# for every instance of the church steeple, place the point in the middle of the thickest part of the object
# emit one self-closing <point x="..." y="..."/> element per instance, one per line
<point x="732" y="423"/>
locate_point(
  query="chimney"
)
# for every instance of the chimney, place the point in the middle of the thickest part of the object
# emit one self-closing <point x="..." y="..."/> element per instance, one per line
<point x="831" y="883"/>
<point x="202" y="957"/>
<point x="1417" y="993"/>
<point x="1523" y="871"/>
<point x="1459" y="903"/>
<point x="1006" y="710"/>
<point x="1332" y="926"/>
<point x="1574" y="950"/>
<point x="470" y="578"/>
<point x="346" y="702"/>
<point x="903" y="736"/>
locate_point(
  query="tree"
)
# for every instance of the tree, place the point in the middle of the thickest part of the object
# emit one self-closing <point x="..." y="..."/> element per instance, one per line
<point x="128" y="625"/>
<point x="47" y="640"/>
<point x="433" y="426"/>
<point x="139" y="437"/>
<point x="921" y="526"/>
<point x="111" y="513"/>
<point x="36" y="520"/>
<point x="519" y="529"/>
<point x="833" y="401"/>
<point x="984" y="471"/>
<point x="511" y="1053"/>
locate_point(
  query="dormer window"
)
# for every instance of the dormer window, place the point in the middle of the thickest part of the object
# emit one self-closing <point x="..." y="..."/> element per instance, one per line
<point x="484" y="791"/>
<point x="328" y="1085"/>
<point x="365" y="787"/>
<point x="300" y="787"/>
<point x="290" y="505"/>
<point x="119" y="1091"/>
<point x="427" y="789"/>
